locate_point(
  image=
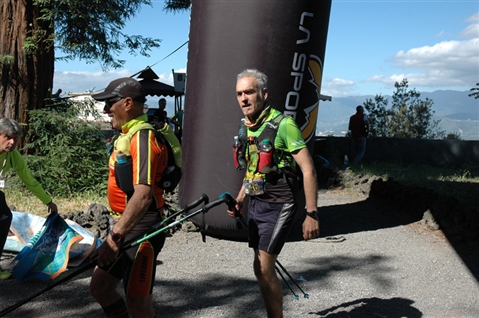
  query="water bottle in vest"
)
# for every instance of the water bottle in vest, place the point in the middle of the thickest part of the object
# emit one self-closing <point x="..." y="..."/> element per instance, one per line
<point x="265" y="156"/>
<point x="238" y="154"/>
<point x="242" y="131"/>
<point x="124" y="172"/>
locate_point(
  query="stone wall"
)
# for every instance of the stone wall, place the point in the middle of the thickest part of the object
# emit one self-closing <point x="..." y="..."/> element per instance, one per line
<point x="455" y="153"/>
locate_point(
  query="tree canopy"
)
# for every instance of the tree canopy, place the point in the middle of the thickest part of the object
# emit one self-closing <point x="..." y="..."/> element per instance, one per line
<point x="92" y="30"/>
<point x="408" y="117"/>
<point x="88" y="30"/>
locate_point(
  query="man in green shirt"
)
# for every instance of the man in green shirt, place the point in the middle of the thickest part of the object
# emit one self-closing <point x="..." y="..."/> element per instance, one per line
<point x="10" y="158"/>
<point x="272" y="198"/>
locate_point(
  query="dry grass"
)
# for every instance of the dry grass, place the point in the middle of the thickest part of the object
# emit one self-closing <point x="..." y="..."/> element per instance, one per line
<point x="27" y="202"/>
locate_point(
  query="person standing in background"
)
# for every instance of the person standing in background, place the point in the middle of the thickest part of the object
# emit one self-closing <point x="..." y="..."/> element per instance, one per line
<point x="359" y="127"/>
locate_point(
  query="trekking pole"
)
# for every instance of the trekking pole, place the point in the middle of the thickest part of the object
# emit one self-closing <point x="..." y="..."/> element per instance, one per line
<point x="204" y="198"/>
<point x="123" y="246"/>
<point x="203" y="209"/>
<point x="231" y="203"/>
<point x="297" y="285"/>
<point x="296" y="297"/>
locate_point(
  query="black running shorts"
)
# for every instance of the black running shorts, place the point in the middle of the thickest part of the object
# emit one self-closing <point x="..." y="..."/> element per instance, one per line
<point x="269" y="224"/>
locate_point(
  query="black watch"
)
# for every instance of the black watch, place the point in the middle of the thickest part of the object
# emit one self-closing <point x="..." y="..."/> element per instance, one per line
<point x="313" y="214"/>
<point x="116" y="237"/>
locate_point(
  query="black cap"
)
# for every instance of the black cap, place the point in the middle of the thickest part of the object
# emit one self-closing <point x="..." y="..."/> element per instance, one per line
<point x="122" y="87"/>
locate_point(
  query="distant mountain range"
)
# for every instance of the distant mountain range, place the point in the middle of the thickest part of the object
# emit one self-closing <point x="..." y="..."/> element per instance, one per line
<point x="458" y="113"/>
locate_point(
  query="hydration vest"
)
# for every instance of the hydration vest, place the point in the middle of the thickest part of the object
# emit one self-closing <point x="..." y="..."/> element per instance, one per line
<point x="251" y="151"/>
<point x="164" y="135"/>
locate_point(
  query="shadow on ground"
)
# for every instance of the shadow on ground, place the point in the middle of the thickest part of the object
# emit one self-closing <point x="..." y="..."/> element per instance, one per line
<point x="372" y="307"/>
<point x="222" y="295"/>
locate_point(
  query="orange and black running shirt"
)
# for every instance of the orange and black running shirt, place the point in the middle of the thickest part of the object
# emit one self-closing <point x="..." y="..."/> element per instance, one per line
<point x="149" y="160"/>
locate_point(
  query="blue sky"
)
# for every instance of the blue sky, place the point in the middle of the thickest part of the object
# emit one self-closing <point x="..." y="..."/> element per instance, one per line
<point x="370" y="46"/>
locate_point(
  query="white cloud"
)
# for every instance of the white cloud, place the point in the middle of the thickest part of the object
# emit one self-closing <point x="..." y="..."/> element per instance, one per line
<point x="472" y="31"/>
<point x="77" y="82"/>
<point x="473" y="18"/>
<point x="444" y="65"/>
<point x="337" y="87"/>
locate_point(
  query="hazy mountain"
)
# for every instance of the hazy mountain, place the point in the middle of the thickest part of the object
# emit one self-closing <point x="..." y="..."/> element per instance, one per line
<point x="457" y="111"/>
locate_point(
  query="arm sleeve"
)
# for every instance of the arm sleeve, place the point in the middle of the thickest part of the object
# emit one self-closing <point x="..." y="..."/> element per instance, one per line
<point x="17" y="162"/>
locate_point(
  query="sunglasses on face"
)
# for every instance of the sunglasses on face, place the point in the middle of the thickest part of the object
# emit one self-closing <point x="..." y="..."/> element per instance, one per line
<point x="110" y="102"/>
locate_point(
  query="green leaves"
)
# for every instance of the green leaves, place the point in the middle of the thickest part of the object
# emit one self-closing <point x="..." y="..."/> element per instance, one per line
<point x="67" y="154"/>
<point x="408" y="117"/>
<point x="91" y="30"/>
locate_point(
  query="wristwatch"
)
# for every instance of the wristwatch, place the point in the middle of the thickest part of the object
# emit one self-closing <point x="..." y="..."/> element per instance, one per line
<point x="313" y="214"/>
<point x="116" y="237"/>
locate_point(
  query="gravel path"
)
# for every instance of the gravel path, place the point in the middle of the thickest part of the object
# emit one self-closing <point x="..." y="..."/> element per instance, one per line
<point x="369" y="262"/>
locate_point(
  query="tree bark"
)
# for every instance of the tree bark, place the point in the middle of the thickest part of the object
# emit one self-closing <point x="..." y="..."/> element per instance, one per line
<point x="26" y="79"/>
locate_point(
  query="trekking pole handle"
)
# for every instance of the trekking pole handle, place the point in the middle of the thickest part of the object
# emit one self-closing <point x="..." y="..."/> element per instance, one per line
<point x="231" y="203"/>
<point x="220" y="200"/>
<point x="203" y="209"/>
<point x="203" y="198"/>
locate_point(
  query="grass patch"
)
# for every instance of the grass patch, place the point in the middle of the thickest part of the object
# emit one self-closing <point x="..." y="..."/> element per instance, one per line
<point x="25" y="201"/>
<point x="463" y="184"/>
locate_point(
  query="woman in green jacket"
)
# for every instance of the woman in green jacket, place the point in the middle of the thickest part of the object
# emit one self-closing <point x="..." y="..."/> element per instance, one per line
<point x="10" y="158"/>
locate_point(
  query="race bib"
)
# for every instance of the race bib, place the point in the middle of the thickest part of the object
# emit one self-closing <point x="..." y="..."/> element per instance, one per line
<point x="254" y="185"/>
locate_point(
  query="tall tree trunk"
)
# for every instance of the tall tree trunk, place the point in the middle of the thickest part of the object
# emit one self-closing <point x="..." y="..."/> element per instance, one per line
<point x="26" y="79"/>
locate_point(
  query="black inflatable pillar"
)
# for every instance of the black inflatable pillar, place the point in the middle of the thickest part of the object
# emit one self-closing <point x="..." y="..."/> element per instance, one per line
<point x="284" y="39"/>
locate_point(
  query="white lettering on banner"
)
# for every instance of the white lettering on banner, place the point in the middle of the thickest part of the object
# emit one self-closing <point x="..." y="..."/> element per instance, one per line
<point x="299" y="62"/>
<point x="302" y="28"/>
<point x="295" y="96"/>
<point x="298" y="66"/>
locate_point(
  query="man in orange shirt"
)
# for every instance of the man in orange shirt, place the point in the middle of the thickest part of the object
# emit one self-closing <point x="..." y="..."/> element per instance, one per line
<point x="136" y="204"/>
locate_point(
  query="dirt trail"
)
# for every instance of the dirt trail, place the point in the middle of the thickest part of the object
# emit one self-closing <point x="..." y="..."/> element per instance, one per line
<point x="370" y="261"/>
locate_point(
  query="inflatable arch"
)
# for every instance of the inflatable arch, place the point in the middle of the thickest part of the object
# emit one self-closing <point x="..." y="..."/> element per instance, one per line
<point x="284" y="39"/>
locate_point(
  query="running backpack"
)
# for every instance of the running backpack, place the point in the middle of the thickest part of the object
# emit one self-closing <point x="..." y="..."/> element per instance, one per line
<point x="293" y="176"/>
<point x="166" y="136"/>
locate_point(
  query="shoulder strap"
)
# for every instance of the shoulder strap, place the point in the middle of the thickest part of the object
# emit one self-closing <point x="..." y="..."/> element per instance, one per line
<point x="123" y="141"/>
<point x="271" y="128"/>
<point x="133" y="130"/>
<point x="172" y="143"/>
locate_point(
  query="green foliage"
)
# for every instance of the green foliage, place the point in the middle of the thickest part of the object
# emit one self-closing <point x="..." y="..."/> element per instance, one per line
<point x="67" y="155"/>
<point x="475" y="92"/>
<point x="453" y="136"/>
<point x="6" y="59"/>
<point x="177" y="5"/>
<point x="91" y="30"/>
<point x="408" y="117"/>
<point x="36" y="39"/>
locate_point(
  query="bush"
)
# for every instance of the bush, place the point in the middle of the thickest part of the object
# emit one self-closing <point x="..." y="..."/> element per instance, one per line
<point x="66" y="154"/>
